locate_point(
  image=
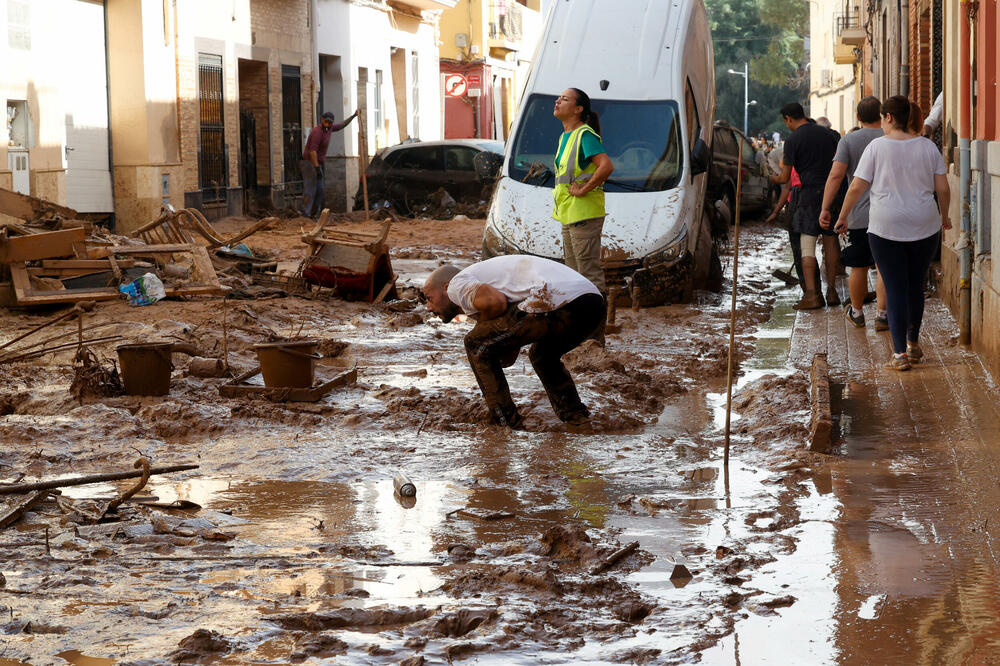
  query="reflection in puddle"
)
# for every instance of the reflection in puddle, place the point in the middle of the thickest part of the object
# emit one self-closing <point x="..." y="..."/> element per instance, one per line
<point x="869" y="609"/>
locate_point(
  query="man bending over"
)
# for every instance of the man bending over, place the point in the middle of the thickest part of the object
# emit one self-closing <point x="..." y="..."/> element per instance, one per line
<point x="520" y="300"/>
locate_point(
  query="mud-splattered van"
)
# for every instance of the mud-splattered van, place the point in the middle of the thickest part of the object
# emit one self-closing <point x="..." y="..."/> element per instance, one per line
<point x="647" y="66"/>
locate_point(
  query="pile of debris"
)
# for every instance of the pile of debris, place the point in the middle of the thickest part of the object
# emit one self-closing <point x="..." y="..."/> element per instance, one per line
<point x="53" y="257"/>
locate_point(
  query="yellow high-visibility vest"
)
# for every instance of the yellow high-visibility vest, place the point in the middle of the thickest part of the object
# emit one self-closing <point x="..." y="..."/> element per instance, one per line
<point x="569" y="209"/>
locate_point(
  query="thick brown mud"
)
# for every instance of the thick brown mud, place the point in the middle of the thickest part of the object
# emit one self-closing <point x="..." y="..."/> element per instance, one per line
<point x="288" y="544"/>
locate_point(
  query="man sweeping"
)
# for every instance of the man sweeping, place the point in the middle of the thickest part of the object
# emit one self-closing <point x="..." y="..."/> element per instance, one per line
<point x="520" y="300"/>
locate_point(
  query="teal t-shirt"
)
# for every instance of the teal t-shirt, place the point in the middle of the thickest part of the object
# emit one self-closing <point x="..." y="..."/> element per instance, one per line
<point x="590" y="145"/>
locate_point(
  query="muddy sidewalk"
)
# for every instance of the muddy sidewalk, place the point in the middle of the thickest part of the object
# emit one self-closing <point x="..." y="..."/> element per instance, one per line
<point x="288" y="543"/>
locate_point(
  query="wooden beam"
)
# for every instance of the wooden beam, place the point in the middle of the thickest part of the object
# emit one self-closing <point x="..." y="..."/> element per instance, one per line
<point x="47" y="245"/>
<point x="27" y="207"/>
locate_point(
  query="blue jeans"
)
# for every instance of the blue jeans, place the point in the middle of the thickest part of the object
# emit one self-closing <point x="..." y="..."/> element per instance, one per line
<point x="313" y="190"/>
<point x="903" y="265"/>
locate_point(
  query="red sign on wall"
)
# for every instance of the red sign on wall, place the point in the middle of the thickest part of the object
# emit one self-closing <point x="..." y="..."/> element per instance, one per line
<point x="474" y="80"/>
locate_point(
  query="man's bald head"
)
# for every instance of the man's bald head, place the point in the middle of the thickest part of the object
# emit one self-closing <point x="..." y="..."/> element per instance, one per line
<point x="440" y="277"/>
<point x="436" y="292"/>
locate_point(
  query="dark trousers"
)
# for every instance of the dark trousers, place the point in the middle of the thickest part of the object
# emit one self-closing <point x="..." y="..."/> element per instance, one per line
<point x="494" y="344"/>
<point x="313" y="190"/>
<point x="903" y="266"/>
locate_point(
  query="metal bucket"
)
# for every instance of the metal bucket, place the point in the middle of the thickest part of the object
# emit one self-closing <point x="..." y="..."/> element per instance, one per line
<point x="146" y="367"/>
<point x="288" y="364"/>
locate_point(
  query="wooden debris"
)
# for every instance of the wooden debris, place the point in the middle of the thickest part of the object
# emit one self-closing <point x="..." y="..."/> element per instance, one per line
<point x="45" y="245"/>
<point x="821" y="423"/>
<point x="15" y="513"/>
<point x="614" y="558"/>
<point x="182" y="227"/>
<point x="23" y="488"/>
<point x="30" y="208"/>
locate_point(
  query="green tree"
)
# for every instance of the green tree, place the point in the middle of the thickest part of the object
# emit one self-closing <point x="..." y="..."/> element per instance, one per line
<point x="767" y="34"/>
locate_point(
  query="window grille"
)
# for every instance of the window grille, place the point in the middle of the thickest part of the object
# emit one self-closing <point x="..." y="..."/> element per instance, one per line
<point x="291" y="127"/>
<point x="213" y="165"/>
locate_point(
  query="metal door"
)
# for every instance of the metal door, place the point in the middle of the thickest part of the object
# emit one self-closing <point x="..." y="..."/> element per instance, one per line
<point x="85" y="102"/>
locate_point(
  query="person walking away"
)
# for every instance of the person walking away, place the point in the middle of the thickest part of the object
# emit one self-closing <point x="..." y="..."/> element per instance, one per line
<point x="520" y="300"/>
<point x="789" y="199"/>
<point x="904" y="173"/>
<point x="313" y="158"/>
<point x="581" y="167"/>
<point x="810" y="150"/>
<point x="857" y="255"/>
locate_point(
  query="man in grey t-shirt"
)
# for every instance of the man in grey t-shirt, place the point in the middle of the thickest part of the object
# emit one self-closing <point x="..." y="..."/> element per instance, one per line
<point x="857" y="254"/>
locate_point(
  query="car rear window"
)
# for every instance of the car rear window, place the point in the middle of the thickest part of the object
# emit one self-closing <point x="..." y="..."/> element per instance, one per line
<point x="424" y="157"/>
<point x="642" y="138"/>
<point x="460" y="158"/>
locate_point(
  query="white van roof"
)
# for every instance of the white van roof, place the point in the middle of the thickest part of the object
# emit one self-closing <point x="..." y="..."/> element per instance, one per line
<point x="583" y="45"/>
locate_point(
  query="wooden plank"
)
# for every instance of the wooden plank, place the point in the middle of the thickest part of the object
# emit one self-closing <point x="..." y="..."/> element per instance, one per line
<point x="26" y="295"/>
<point x="41" y="246"/>
<point x="27" y="207"/>
<point x="95" y="264"/>
<point x="20" y="508"/>
<point x="154" y="249"/>
<point x="821" y="424"/>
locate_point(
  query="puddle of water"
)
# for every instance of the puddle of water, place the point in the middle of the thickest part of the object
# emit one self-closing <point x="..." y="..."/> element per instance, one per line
<point x="77" y="658"/>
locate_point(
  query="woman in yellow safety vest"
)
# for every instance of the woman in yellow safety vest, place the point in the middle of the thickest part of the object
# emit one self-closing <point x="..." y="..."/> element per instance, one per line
<point x="581" y="168"/>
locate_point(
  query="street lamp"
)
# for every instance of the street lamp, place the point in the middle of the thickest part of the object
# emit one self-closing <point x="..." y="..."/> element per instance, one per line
<point x="746" y="91"/>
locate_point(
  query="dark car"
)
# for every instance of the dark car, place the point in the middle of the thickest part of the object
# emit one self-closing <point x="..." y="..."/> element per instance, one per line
<point x="405" y="175"/>
<point x="756" y="191"/>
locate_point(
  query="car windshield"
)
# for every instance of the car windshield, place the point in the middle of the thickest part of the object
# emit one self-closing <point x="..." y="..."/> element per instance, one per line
<point x="641" y="138"/>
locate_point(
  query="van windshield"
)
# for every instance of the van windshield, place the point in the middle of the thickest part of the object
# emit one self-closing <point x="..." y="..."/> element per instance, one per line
<point x="643" y="140"/>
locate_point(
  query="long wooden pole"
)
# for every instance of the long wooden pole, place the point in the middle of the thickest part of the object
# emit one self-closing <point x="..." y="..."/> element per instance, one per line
<point x="21" y="488"/>
<point x="732" y="307"/>
<point x="363" y="155"/>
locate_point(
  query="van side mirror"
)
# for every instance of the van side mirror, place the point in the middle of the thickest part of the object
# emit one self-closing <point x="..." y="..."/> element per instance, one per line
<point x="488" y="166"/>
<point x="701" y="157"/>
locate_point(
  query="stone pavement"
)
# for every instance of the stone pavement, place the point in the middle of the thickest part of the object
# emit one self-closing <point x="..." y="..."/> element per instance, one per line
<point x="916" y="470"/>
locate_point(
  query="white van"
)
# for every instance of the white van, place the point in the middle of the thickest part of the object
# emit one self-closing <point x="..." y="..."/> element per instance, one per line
<point x="647" y="66"/>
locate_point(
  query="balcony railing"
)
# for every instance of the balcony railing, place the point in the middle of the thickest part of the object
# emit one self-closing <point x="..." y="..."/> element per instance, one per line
<point x="847" y="20"/>
<point x="506" y="21"/>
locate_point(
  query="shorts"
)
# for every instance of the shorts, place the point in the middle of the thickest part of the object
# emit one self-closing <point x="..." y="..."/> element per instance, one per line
<point x="805" y="220"/>
<point x="857" y="253"/>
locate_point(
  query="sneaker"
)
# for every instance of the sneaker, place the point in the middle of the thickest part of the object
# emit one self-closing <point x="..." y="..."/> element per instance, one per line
<point x="898" y="362"/>
<point x="832" y="297"/>
<point x="857" y="319"/>
<point x="913" y="352"/>
<point x="881" y="323"/>
<point x="808" y="302"/>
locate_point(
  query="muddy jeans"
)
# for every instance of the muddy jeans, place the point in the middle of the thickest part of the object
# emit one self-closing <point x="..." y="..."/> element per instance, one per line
<point x="582" y="249"/>
<point x="313" y="192"/>
<point x="494" y="344"/>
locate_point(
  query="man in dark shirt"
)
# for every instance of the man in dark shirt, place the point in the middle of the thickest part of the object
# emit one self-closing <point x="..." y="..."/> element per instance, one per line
<point x="810" y="150"/>
<point x="313" y="156"/>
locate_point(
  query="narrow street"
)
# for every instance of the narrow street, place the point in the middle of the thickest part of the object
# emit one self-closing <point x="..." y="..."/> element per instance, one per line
<point x="297" y="548"/>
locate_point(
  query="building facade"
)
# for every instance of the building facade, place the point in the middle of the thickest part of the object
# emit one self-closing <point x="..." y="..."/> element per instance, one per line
<point x="55" y="140"/>
<point x="486" y="52"/>
<point x="923" y="48"/>
<point x="380" y="59"/>
<point x="833" y="77"/>
<point x="206" y="104"/>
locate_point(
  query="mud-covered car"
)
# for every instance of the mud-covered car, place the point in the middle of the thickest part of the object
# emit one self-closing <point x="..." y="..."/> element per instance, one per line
<point x="405" y="175"/>
<point x="756" y="190"/>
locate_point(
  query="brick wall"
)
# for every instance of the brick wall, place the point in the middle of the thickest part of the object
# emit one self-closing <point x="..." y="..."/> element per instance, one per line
<point x="253" y="98"/>
<point x="280" y="31"/>
<point x="921" y="90"/>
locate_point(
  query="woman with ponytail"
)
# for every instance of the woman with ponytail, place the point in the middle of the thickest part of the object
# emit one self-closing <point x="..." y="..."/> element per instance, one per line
<point x="904" y="172"/>
<point x="581" y="167"/>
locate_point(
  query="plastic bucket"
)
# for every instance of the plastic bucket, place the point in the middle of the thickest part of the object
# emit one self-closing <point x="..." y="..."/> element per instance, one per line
<point x="146" y="367"/>
<point x="288" y="364"/>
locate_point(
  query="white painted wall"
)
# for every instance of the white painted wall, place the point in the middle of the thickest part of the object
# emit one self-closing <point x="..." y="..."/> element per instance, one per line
<point x="362" y="36"/>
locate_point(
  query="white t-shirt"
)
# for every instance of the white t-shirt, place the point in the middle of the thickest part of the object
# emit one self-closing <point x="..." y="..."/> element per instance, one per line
<point x="536" y="284"/>
<point x="901" y="174"/>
